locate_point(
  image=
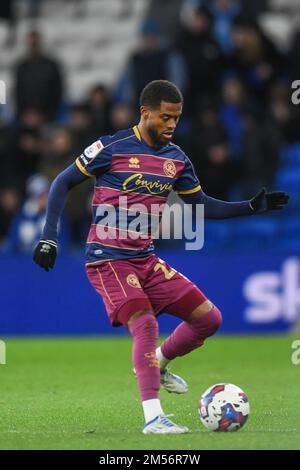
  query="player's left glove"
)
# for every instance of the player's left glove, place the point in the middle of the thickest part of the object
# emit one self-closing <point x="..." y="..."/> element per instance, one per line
<point x="45" y="254"/>
<point x="263" y="201"/>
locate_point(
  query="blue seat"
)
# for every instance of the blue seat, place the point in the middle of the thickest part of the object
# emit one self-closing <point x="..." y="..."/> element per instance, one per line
<point x="288" y="179"/>
<point x="290" y="155"/>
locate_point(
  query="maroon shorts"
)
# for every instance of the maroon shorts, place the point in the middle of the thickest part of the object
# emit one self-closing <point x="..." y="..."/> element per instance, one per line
<point x="147" y="283"/>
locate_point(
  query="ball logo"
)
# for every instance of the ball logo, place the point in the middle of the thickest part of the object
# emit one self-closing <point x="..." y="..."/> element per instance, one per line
<point x="133" y="281"/>
<point x="169" y="168"/>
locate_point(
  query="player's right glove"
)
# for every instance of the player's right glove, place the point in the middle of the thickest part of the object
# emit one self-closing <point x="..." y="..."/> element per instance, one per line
<point x="45" y="254"/>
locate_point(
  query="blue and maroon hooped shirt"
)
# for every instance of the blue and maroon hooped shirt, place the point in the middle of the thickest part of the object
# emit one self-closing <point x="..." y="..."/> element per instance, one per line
<point x="124" y="165"/>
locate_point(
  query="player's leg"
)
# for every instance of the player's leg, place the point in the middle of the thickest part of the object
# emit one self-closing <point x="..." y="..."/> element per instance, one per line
<point x="201" y="320"/>
<point x="170" y="291"/>
<point x="127" y="304"/>
<point x="143" y="327"/>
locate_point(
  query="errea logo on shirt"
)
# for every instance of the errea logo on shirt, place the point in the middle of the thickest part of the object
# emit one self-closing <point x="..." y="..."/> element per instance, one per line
<point x="134" y="162"/>
<point x="93" y="150"/>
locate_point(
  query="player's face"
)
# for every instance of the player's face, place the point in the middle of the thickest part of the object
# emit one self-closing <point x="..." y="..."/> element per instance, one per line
<point x="161" y="123"/>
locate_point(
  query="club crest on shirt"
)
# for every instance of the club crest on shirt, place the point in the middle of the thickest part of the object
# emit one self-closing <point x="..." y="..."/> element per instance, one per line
<point x="133" y="281"/>
<point x="169" y="168"/>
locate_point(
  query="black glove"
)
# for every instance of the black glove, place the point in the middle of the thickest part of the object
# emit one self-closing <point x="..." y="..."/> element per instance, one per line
<point x="45" y="254"/>
<point x="263" y="201"/>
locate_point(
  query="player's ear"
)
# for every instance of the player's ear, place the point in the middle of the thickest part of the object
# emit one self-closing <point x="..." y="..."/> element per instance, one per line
<point x="145" y="111"/>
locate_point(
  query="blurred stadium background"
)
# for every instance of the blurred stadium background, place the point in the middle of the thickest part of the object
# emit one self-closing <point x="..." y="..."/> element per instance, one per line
<point x="73" y="71"/>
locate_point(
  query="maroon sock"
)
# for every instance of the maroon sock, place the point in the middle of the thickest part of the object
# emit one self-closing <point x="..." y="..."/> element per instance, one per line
<point x="144" y="331"/>
<point x="189" y="336"/>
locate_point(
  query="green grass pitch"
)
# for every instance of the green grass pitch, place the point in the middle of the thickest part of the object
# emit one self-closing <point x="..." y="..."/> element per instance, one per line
<point x="81" y="394"/>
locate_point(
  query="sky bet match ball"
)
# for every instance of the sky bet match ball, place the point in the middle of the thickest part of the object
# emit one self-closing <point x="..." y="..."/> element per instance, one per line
<point x="224" y="407"/>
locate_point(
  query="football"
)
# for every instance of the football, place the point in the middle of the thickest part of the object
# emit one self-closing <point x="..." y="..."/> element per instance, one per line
<point x="224" y="407"/>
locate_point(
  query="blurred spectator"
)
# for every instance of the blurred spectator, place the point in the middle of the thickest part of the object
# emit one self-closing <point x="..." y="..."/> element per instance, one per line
<point x="7" y="14"/>
<point x="121" y="117"/>
<point x="284" y="114"/>
<point x="58" y="152"/>
<point x="153" y="61"/>
<point x="8" y="170"/>
<point x="9" y="204"/>
<point x="256" y="60"/>
<point x="38" y="80"/>
<point x="209" y="151"/>
<point x="25" y="148"/>
<point x="260" y="161"/>
<point x="294" y="57"/>
<point x="202" y="55"/>
<point x="99" y="104"/>
<point x="218" y="170"/>
<point x="234" y="99"/>
<point x="27" y="226"/>
<point x="224" y="12"/>
<point x="167" y="14"/>
<point x="80" y="128"/>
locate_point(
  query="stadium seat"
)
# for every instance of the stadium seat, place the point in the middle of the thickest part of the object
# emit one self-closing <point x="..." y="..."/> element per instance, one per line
<point x="290" y="155"/>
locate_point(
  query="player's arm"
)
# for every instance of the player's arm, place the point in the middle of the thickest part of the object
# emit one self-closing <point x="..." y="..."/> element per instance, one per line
<point x="189" y="190"/>
<point x="218" y="209"/>
<point x="95" y="160"/>
<point x="45" y="252"/>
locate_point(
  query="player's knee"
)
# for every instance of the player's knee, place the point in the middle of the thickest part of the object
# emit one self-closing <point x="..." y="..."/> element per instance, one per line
<point x="143" y="322"/>
<point x="133" y="309"/>
<point x="214" y="318"/>
<point x="208" y="324"/>
<point x="147" y="315"/>
<point x="202" y="309"/>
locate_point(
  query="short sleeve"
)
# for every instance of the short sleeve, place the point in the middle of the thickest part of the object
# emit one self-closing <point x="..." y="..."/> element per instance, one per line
<point x="187" y="183"/>
<point x="96" y="158"/>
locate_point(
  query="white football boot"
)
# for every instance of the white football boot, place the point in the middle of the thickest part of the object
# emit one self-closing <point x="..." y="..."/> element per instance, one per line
<point x="163" y="425"/>
<point x="172" y="383"/>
